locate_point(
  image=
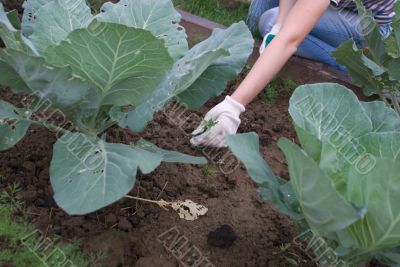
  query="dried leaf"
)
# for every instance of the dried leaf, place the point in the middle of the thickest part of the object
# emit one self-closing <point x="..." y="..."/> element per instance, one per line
<point x="189" y="210"/>
<point x="163" y="204"/>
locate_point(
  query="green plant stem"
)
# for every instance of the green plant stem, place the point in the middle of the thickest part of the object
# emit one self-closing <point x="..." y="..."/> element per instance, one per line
<point x="395" y="102"/>
<point x="51" y="127"/>
<point x="93" y="119"/>
<point x="383" y="98"/>
<point x="108" y="125"/>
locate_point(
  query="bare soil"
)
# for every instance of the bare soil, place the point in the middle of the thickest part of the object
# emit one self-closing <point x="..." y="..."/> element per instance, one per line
<point x="12" y="4"/>
<point x="130" y="232"/>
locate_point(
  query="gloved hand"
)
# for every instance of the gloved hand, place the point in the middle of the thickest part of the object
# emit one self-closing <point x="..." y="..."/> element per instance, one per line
<point x="226" y="116"/>
<point x="270" y="36"/>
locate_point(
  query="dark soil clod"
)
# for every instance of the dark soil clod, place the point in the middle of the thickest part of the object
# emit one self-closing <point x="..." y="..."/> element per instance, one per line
<point x="222" y="237"/>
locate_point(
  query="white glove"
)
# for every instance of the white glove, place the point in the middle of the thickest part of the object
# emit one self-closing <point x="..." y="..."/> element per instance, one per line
<point x="226" y="116"/>
<point x="270" y="36"/>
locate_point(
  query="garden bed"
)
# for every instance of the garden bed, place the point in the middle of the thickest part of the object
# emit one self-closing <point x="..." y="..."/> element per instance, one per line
<point x="128" y="230"/>
<point x="132" y="233"/>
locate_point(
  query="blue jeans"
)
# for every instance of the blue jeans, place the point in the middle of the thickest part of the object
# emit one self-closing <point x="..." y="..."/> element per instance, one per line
<point x="333" y="29"/>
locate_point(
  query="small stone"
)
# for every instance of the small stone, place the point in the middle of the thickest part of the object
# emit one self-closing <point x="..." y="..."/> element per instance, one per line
<point x="111" y="219"/>
<point x="140" y="213"/>
<point x="44" y="174"/>
<point x="40" y="202"/>
<point x="235" y="204"/>
<point x="276" y="129"/>
<point x="153" y="262"/>
<point x="231" y="180"/>
<point x="74" y="221"/>
<point x="43" y="164"/>
<point x="135" y="221"/>
<point x="7" y="264"/>
<point x="29" y="166"/>
<point x="147" y="185"/>
<point x="222" y="237"/>
<point x="124" y="224"/>
<point x="29" y="194"/>
<point x="13" y="163"/>
<point x="210" y="190"/>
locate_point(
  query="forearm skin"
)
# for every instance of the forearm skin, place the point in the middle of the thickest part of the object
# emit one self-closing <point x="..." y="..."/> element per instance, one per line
<point x="281" y="48"/>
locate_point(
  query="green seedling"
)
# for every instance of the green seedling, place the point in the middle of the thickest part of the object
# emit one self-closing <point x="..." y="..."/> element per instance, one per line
<point x="208" y="170"/>
<point x="208" y="124"/>
<point x="276" y="88"/>
<point x="15" y="229"/>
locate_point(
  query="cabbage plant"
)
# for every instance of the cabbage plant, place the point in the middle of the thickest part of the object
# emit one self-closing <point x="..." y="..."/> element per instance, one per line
<point x="375" y="70"/>
<point x="96" y="71"/>
<point x="344" y="179"/>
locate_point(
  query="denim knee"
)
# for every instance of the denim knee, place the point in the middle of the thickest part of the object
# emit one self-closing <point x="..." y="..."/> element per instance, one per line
<point x="267" y="20"/>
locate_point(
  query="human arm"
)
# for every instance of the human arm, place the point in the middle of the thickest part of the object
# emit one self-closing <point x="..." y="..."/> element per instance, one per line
<point x="281" y="48"/>
<point x="308" y="12"/>
<point x="285" y="6"/>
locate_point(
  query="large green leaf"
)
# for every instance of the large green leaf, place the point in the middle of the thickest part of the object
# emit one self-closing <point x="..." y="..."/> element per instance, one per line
<point x="371" y="34"/>
<point x="157" y="16"/>
<point x="383" y="118"/>
<point x="390" y="257"/>
<point x="13" y="17"/>
<point x="328" y="110"/>
<point x="10" y="78"/>
<point x="125" y="64"/>
<point x="382" y="145"/>
<point x="11" y="37"/>
<point x="13" y="125"/>
<point x="246" y="147"/>
<point x="324" y="209"/>
<point x="238" y="40"/>
<point x="332" y="120"/>
<point x="88" y="174"/>
<point x="57" y="86"/>
<point x="170" y="156"/>
<point x="56" y="19"/>
<point x="379" y="192"/>
<point x="396" y="26"/>
<point x="29" y="17"/>
<point x="363" y="71"/>
<point x="394" y="67"/>
<point x="202" y="73"/>
<point x="309" y="143"/>
<point x="273" y="189"/>
<point x="183" y="73"/>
